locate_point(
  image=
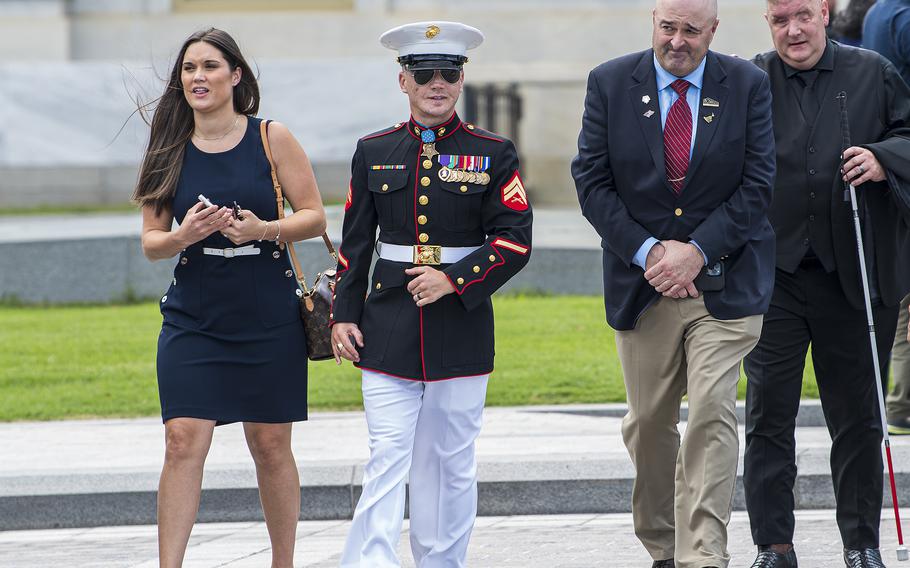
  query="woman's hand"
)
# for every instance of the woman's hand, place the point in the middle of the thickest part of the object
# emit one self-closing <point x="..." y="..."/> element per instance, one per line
<point x="346" y="338"/>
<point x="252" y="228"/>
<point x="201" y="221"/>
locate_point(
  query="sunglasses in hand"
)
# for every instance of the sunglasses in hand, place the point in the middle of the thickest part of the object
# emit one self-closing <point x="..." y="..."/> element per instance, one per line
<point x="424" y="76"/>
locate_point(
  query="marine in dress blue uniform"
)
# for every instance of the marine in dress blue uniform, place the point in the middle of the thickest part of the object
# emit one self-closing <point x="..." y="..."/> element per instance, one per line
<point x="446" y="196"/>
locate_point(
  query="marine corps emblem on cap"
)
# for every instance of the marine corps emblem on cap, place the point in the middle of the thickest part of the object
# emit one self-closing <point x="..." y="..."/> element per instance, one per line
<point x="432" y="45"/>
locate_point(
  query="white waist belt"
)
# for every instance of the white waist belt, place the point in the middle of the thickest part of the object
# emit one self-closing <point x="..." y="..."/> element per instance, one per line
<point x="423" y="254"/>
<point x="232" y="252"/>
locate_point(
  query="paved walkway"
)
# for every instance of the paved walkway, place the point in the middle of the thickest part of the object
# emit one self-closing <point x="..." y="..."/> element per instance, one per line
<point x="544" y="541"/>
<point x="532" y="460"/>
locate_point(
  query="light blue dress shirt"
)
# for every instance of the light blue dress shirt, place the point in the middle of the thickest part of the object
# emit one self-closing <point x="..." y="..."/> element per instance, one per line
<point x="666" y="97"/>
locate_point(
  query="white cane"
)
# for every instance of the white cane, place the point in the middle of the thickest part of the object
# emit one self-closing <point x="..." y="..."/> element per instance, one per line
<point x="902" y="553"/>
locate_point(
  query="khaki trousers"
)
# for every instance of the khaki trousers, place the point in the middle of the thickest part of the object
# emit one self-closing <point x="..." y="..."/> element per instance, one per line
<point x="899" y="397"/>
<point x="683" y="492"/>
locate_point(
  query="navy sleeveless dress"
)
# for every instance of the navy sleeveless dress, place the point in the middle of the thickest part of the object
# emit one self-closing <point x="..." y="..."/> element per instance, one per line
<point x="232" y="346"/>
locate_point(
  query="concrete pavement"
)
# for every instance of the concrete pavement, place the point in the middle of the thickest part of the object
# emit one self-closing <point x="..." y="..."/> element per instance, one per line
<point x="532" y="460"/>
<point x="539" y="541"/>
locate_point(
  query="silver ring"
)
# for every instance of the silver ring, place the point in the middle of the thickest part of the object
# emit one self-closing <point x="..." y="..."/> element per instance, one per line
<point x="339" y="345"/>
<point x="417" y="295"/>
<point x="862" y="170"/>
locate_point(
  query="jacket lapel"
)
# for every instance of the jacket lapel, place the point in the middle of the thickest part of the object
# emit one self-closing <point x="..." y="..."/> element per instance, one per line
<point x="646" y="106"/>
<point x="710" y="111"/>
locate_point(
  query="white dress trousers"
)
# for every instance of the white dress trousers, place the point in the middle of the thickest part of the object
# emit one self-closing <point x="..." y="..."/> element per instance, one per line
<point x="422" y="433"/>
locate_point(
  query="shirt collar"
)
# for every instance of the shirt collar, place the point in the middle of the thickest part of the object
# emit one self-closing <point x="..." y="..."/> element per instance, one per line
<point x="664" y="77"/>
<point x="826" y="63"/>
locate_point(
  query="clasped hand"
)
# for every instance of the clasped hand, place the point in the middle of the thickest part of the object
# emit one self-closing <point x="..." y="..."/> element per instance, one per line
<point x="671" y="268"/>
<point x="201" y="221"/>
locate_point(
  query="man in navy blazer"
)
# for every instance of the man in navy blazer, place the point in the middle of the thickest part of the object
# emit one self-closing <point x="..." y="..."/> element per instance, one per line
<point x="674" y="170"/>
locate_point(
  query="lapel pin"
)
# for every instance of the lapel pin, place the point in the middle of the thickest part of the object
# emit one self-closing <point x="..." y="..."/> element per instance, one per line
<point x="649" y="114"/>
<point x="646" y="99"/>
<point x="709" y="102"/>
<point x="708" y="118"/>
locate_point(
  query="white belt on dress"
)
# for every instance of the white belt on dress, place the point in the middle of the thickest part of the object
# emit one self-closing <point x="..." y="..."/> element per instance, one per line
<point x="423" y="254"/>
<point x="232" y="252"/>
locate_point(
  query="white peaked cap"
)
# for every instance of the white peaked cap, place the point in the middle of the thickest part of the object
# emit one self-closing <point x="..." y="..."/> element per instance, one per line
<point x="424" y="38"/>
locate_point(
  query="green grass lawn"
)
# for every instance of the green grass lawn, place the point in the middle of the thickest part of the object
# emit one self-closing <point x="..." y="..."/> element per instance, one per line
<point x="99" y="361"/>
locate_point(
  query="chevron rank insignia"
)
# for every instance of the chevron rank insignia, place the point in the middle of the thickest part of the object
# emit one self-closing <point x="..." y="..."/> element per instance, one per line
<point x="513" y="194"/>
<point x="350" y="199"/>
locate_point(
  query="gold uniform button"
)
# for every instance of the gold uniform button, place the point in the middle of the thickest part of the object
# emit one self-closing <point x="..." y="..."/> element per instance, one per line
<point x="385" y="187"/>
<point x="492" y="258"/>
<point x="184" y="260"/>
<point x="425" y="181"/>
<point x="423" y="237"/>
<point x="470" y="126"/>
<point x="464" y="189"/>
<point x="423" y="199"/>
<point x="427" y="164"/>
<point x="440" y="132"/>
<point x="476" y="269"/>
<point x="678" y="212"/>
<point x="460" y="281"/>
<point x="288" y="273"/>
<point x="422" y="219"/>
<point x="378" y="285"/>
<point x="399" y="125"/>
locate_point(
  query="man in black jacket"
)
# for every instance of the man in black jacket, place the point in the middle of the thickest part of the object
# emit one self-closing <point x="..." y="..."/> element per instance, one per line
<point x="818" y="295"/>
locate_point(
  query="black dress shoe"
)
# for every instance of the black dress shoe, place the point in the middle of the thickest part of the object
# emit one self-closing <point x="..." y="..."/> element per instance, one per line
<point x="767" y="558"/>
<point x="863" y="558"/>
<point x="668" y="563"/>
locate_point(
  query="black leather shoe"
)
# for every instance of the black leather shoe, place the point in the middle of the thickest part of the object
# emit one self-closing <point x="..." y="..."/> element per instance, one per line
<point x="767" y="558"/>
<point x="668" y="563"/>
<point x="863" y="558"/>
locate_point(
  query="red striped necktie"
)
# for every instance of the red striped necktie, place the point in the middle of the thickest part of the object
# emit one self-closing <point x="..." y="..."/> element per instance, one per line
<point x="678" y="136"/>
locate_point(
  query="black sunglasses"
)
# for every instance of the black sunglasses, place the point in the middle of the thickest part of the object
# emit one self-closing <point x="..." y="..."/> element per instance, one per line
<point x="424" y="76"/>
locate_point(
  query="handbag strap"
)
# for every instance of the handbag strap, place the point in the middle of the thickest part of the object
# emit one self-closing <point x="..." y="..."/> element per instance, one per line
<point x="279" y="199"/>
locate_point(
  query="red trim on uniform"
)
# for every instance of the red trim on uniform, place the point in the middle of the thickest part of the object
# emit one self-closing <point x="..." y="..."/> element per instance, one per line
<point x="412" y="123"/>
<point x="472" y="133"/>
<point x="509" y="245"/>
<point x="476" y="280"/>
<point x="457" y="291"/>
<point x="450" y="132"/>
<point x="423" y="364"/>
<point x="412" y="379"/>
<point x="350" y="198"/>
<point x="384" y="132"/>
<point x="343" y="260"/>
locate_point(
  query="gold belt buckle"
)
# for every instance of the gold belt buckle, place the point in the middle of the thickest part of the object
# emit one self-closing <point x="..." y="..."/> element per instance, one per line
<point x="427" y="254"/>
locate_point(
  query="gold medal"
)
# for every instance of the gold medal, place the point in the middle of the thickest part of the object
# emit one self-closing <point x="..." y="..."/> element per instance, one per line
<point x="484" y="178"/>
<point x="429" y="150"/>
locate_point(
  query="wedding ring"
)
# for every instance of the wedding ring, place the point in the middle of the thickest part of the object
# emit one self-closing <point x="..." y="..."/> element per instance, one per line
<point x="417" y="296"/>
<point x="862" y="170"/>
<point x="339" y="345"/>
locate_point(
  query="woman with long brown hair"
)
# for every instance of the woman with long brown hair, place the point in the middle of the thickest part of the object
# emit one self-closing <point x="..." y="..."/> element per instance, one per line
<point x="232" y="345"/>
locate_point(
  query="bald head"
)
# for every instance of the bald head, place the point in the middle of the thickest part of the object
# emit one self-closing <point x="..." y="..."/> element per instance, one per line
<point x="702" y="10"/>
<point x="683" y="31"/>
